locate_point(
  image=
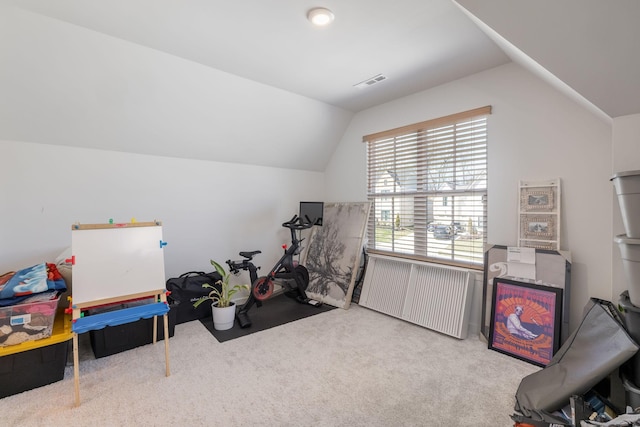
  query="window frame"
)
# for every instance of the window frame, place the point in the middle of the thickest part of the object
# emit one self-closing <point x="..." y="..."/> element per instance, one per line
<point x="417" y="137"/>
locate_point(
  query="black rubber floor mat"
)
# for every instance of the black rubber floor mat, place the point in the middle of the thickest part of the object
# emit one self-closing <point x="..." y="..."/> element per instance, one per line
<point x="275" y="311"/>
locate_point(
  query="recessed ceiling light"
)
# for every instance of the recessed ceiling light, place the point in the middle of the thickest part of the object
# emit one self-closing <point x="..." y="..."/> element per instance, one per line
<point x="320" y="16"/>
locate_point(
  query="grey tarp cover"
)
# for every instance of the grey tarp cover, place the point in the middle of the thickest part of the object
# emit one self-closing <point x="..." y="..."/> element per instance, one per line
<point x="600" y="345"/>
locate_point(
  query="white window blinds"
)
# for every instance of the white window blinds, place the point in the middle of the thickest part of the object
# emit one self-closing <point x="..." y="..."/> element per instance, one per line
<point x="428" y="186"/>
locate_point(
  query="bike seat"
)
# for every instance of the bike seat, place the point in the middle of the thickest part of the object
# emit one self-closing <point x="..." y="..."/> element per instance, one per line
<point x="249" y="255"/>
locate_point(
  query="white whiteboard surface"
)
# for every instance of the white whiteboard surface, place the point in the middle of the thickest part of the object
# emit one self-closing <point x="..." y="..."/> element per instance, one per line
<point x="116" y="262"/>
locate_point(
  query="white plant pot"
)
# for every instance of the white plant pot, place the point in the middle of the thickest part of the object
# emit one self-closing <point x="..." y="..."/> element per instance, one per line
<point x="224" y="317"/>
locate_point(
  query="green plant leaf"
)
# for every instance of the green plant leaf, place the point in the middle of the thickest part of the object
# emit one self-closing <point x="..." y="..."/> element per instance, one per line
<point x="222" y="297"/>
<point x="219" y="268"/>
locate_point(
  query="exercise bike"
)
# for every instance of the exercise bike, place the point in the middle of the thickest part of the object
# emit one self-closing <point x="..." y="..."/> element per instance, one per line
<point x="293" y="276"/>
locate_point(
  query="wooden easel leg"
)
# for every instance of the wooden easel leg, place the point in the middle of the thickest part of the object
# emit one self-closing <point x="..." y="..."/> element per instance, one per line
<point x="166" y="342"/>
<point x="155" y="329"/>
<point x="76" y="369"/>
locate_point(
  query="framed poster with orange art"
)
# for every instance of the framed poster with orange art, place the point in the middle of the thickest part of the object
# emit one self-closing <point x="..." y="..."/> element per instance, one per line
<point x="525" y="320"/>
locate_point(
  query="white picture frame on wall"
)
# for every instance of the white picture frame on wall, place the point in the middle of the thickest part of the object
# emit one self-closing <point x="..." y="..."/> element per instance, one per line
<point x="539" y="214"/>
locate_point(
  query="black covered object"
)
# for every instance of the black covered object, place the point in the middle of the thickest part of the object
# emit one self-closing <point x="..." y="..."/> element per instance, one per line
<point x="188" y="289"/>
<point x="632" y="322"/>
<point x="27" y="370"/>
<point x="116" y="339"/>
<point x="275" y="311"/>
<point x="600" y="345"/>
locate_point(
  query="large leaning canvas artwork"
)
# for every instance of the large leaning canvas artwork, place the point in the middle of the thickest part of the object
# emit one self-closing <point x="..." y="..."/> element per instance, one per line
<point x="333" y="252"/>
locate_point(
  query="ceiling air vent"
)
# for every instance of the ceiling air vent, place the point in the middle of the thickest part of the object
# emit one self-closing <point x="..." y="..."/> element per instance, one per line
<point x="370" y="81"/>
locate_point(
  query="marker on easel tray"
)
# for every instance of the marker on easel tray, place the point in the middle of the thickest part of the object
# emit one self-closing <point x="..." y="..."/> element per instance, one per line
<point x="110" y="220"/>
<point x="133" y="220"/>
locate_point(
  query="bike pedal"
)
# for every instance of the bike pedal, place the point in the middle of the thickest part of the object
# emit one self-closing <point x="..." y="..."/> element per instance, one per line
<point x="243" y="320"/>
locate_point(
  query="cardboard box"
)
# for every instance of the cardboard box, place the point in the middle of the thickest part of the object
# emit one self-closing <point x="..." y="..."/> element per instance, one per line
<point x="116" y="339"/>
<point x="28" y="321"/>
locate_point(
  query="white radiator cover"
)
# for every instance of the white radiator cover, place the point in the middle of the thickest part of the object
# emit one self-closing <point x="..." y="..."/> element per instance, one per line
<point x="432" y="296"/>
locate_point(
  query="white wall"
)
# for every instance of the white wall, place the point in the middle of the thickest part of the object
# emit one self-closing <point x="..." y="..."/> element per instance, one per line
<point x="64" y="84"/>
<point x="535" y="133"/>
<point x="207" y="207"/>
<point x="209" y="210"/>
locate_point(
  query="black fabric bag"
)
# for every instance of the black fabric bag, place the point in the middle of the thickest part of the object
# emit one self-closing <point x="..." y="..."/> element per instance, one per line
<point x="188" y="289"/>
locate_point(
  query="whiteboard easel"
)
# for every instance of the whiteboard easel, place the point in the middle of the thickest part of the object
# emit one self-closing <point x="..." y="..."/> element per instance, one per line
<point x="113" y="263"/>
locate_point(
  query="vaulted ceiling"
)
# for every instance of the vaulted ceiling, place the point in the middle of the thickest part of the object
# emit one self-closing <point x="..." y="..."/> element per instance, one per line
<point x="589" y="46"/>
<point x="247" y="81"/>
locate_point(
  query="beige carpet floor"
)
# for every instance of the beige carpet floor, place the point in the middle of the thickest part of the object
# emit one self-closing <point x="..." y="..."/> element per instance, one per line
<point x="352" y="367"/>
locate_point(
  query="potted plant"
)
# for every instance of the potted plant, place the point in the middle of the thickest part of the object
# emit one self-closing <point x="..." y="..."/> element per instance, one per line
<point x="223" y="309"/>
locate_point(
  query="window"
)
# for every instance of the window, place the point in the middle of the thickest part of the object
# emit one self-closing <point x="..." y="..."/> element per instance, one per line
<point x="428" y="186"/>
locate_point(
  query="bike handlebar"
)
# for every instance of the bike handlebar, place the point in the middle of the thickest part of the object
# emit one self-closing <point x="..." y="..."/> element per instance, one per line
<point x="297" y="223"/>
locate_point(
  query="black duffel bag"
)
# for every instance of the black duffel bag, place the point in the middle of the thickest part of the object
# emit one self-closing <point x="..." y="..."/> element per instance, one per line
<point x="187" y="289"/>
